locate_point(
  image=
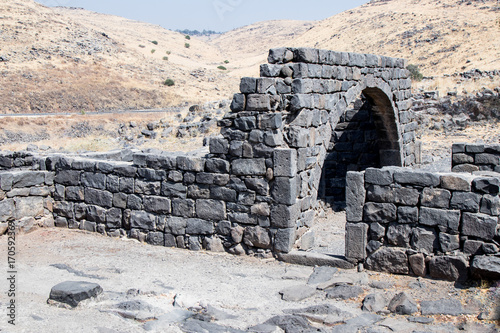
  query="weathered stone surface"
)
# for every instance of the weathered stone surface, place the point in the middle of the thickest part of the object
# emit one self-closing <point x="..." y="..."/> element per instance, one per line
<point x="321" y="274"/>
<point x="257" y="237"/>
<point x="98" y="197"/>
<point x="379" y="212"/>
<point x="214" y="210"/>
<point x="170" y="189"/>
<point x="194" y="164"/>
<point x="284" y="240"/>
<point x="451" y="307"/>
<point x="218" y="145"/>
<point x="159" y="205"/>
<point x="434" y="197"/>
<point x="490" y="205"/>
<point x="142" y="220"/>
<point x="417" y="264"/>
<point x="445" y="218"/>
<point x="176" y="225"/>
<point x="473" y="247"/>
<point x="486" y="267"/>
<point x="465" y="201"/>
<point x="285" y="162"/>
<point x="396" y="195"/>
<point x="356" y="240"/>
<point x="375" y="303"/>
<point x="377" y="231"/>
<point x="67" y="177"/>
<point x="199" y="227"/>
<point x="399" y="234"/>
<point x="403" y="304"/>
<point x="451" y="268"/>
<point x="314" y="259"/>
<point x="344" y="292"/>
<point x="479" y="225"/>
<point x="355" y="196"/>
<point x="28" y="207"/>
<point x="249" y="167"/>
<point x="381" y="177"/>
<point x="424" y="240"/>
<point x="407" y="214"/>
<point x="456" y="183"/>
<point x="72" y="293"/>
<point x="155" y="238"/>
<point x="258" y="102"/>
<point x="27" y="179"/>
<point x="417" y="178"/>
<point x="183" y="207"/>
<point x="390" y="260"/>
<point x="486" y="185"/>
<point x="284" y="190"/>
<point x="449" y="242"/>
<point x="95" y="180"/>
<point x="114" y="218"/>
<point x="297" y="293"/>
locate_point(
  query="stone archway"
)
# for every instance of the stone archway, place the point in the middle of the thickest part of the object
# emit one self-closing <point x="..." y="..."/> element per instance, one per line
<point x="365" y="135"/>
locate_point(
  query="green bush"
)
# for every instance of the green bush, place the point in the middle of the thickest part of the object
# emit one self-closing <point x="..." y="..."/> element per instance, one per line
<point x="153" y="51"/>
<point x="165" y="58"/>
<point x="188" y="37"/>
<point x="187" y="46"/>
<point x="222" y="68"/>
<point x="226" y="61"/>
<point x="168" y="52"/>
<point x="154" y="42"/>
<point x="415" y="73"/>
<point x="169" y="82"/>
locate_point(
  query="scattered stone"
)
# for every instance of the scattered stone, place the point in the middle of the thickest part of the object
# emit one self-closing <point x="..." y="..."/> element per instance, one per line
<point x="451" y="307"/>
<point x="290" y="323"/>
<point x="72" y="293"/>
<point x="403" y="304"/>
<point x="193" y="325"/>
<point x="344" y="292"/>
<point x="321" y="274"/>
<point x="375" y="303"/>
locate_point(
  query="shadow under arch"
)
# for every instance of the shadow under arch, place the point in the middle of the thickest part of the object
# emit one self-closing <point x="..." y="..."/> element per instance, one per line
<point x="366" y="134"/>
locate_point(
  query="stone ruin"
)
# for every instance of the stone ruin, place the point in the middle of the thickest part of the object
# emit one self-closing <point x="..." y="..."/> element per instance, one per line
<point x="308" y="127"/>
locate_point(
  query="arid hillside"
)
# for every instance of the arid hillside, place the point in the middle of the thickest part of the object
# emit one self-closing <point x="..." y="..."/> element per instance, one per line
<point x="73" y="60"/>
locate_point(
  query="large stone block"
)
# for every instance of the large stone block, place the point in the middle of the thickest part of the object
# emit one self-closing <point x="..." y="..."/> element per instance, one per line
<point x="213" y="210"/>
<point x="173" y="190"/>
<point x="417" y="178"/>
<point x="424" y="240"/>
<point x="257" y="237"/>
<point x="284" y="190"/>
<point x="199" y="227"/>
<point x="399" y="234"/>
<point x="216" y="165"/>
<point x="176" y="225"/>
<point x="285" y="162"/>
<point x="98" y="197"/>
<point x="396" y="195"/>
<point x="379" y="212"/>
<point x="479" y="225"/>
<point x="147" y="188"/>
<point x="27" y="179"/>
<point x="258" y="102"/>
<point x="75" y="193"/>
<point x="68" y="177"/>
<point x="465" y="201"/>
<point x="435" y="197"/>
<point x="142" y="220"/>
<point x="446" y="218"/>
<point x="6" y="179"/>
<point x="487" y="159"/>
<point x="490" y="205"/>
<point x="239" y="102"/>
<point x="187" y="163"/>
<point x="183" y="207"/>
<point x="449" y="242"/>
<point x="451" y="268"/>
<point x="155" y="238"/>
<point x="95" y="180"/>
<point x="155" y="204"/>
<point x="284" y="216"/>
<point x="114" y="218"/>
<point x="355" y="196"/>
<point x="356" y="239"/>
<point x="486" y="267"/>
<point x="270" y="121"/>
<point x="284" y="240"/>
<point x="407" y="214"/>
<point x="248" y="85"/>
<point x="28" y="207"/>
<point x="486" y="185"/>
<point x="249" y="167"/>
<point x="298" y="137"/>
<point x="381" y="177"/>
<point x="388" y="259"/>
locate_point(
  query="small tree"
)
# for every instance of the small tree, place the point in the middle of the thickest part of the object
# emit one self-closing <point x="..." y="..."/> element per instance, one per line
<point x="415" y="73"/>
<point x="154" y="42"/>
<point x="153" y="51"/>
<point x="165" y="58"/>
<point x="226" y="61"/>
<point x="169" y="82"/>
<point x="187" y="46"/>
<point x="188" y="37"/>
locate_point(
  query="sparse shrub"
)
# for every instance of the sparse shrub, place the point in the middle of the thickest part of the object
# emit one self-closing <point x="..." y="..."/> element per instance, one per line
<point x="222" y="68"/>
<point x="168" y="52"/>
<point x="154" y="42"/>
<point x="415" y="73"/>
<point x="165" y="58"/>
<point x="187" y="45"/>
<point x="153" y="51"/>
<point x="188" y="37"/>
<point x="169" y="82"/>
<point x="226" y="61"/>
<point x="142" y="46"/>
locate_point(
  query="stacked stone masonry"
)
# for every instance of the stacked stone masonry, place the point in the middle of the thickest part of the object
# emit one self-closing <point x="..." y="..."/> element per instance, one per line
<point x="257" y="188"/>
<point x="403" y="221"/>
<point x="475" y="157"/>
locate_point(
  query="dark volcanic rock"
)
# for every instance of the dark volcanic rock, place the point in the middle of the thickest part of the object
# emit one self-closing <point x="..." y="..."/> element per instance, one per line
<point x="72" y="293"/>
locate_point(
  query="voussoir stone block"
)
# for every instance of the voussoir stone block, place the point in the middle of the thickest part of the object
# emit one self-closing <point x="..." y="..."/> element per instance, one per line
<point x="355" y="196"/>
<point x="356" y="240"/>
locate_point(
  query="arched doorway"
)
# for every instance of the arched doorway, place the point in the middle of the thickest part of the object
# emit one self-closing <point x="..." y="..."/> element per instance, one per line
<point x="366" y="135"/>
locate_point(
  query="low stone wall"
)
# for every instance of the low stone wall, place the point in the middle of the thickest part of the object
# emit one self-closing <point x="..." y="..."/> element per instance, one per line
<point x="475" y="157"/>
<point x="25" y="199"/>
<point x="403" y="221"/>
